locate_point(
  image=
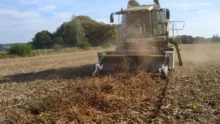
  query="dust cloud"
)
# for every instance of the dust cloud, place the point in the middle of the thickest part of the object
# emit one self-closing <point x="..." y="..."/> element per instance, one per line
<point x="200" y="52"/>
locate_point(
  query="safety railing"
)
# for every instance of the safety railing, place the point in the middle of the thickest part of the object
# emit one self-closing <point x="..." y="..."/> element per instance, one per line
<point x="175" y="27"/>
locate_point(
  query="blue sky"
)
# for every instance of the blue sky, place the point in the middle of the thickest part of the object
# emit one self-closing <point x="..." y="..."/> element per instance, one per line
<point x="21" y="19"/>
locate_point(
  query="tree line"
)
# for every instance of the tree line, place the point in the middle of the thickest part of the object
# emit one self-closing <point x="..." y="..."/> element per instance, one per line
<point x="188" y="39"/>
<point x="81" y="31"/>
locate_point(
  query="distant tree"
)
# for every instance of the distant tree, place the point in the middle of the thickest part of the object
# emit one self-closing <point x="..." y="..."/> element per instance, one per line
<point x="97" y="33"/>
<point x="57" y="43"/>
<point x="43" y="40"/>
<point x="216" y="38"/>
<point x="84" y="44"/>
<point x="186" y="39"/>
<point x="191" y="39"/>
<point x="80" y="35"/>
<point x="57" y="46"/>
<point x="58" y="40"/>
<point x="60" y="30"/>
<point x="199" y="40"/>
<point x="105" y="33"/>
<point x="195" y="40"/>
<point x="82" y="29"/>
<point x="1" y="47"/>
<point x="73" y="32"/>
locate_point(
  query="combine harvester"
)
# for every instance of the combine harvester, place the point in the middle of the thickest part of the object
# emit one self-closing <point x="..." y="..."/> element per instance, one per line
<point x="145" y="42"/>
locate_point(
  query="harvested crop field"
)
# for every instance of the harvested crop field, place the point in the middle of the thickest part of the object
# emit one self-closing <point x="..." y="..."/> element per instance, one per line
<point x="58" y="89"/>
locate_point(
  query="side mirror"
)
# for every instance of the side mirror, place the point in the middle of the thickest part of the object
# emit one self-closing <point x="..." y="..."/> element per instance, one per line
<point x="168" y="14"/>
<point x="112" y="18"/>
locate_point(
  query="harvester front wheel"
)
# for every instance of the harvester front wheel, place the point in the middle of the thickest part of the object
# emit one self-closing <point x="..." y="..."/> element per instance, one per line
<point x="164" y="72"/>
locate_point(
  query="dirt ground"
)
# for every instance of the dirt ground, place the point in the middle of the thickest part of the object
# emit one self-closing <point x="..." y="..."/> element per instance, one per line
<point x="58" y="89"/>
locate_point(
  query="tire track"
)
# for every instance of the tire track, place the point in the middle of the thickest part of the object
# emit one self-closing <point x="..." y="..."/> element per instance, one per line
<point x="149" y="111"/>
<point x="160" y="102"/>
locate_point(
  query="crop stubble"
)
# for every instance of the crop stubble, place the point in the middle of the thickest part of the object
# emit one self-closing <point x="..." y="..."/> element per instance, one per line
<point x="58" y="89"/>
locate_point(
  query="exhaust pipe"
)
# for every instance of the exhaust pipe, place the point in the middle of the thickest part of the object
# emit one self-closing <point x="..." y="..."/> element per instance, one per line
<point x="158" y="3"/>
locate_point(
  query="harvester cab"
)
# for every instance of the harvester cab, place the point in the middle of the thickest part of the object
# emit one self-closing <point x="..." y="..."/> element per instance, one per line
<point x="144" y="41"/>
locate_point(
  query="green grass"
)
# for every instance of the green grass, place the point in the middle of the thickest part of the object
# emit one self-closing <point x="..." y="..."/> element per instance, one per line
<point x="192" y="106"/>
<point x="56" y="51"/>
<point x="4" y="55"/>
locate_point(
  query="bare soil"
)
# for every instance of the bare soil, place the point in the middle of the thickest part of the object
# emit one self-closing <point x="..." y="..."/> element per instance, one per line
<point x="58" y="89"/>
